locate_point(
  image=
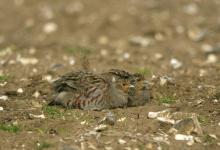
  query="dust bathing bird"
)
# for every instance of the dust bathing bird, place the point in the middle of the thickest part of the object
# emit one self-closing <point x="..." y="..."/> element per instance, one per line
<point x="89" y="91"/>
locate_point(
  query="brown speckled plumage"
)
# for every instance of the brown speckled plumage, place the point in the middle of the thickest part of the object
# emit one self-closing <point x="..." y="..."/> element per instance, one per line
<point x="113" y="89"/>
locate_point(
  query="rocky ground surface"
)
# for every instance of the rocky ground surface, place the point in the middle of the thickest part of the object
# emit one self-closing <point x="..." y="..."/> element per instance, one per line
<point x="175" y="44"/>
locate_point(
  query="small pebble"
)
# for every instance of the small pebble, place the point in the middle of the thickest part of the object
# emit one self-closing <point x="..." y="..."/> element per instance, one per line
<point x="103" y="40"/>
<point x="108" y="148"/>
<point x="101" y="127"/>
<point x="36" y="94"/>
<point x="129" y="148"/>
<point x="153" y="115"/>
<point x="27" y="61"/>
<point x="140" y="41"/>
<point x="83" y="122"/>
<point x="3" y="84"/>
<point x="20" y="90"/>
<point x="50" y="27"/>
<point x="1" y="108"/>
<point x="196" y="34"/>
<point x="4" y="97"/>
<point x="176" y="64"/>
<point x="32" y="51"/>
<point x="121" y="141"/>
<point x="158" y="56"/>
<point x="34" y="70"/>
<point x="166" y="120"/>
<point x="182" y="137"/>
<point x="149" y="146"/>
<point x="47" y="78"/>
<point x="159" y="36"/>
<point x="104" y="52"/>
<point x="121" y="119"/>
<point x="72" y="61"/>
<point x="126" y="55"/>
<point x="207" y="48"/>
<point x="191" y="9"/>
<point x="211" y="59"/>
<point x="197" y="139"/>
<point x="202" y="72"/>
<point x="15" y="122"/>
<point x="213" y="136"/>
<point x="42" y="116"/>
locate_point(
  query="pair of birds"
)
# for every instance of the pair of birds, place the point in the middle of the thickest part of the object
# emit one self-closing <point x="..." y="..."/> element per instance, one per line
<point x="89" y="91"/>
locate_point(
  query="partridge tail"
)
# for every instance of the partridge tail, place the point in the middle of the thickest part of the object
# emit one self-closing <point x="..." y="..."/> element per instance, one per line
<point x="63" y="99"/>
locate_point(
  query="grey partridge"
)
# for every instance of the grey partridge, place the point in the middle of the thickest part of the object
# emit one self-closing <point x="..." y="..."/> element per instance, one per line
<point x="113" y="89"/>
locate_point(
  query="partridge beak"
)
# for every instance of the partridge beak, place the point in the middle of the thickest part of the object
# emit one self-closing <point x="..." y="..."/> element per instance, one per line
<point x="131" y="86"/>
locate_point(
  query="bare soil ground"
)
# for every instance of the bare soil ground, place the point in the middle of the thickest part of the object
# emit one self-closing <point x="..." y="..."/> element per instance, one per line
<point x="40" y="40"/>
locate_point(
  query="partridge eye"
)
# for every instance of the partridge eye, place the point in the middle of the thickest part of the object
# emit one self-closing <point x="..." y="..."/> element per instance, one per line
<point x="123" y="84"/>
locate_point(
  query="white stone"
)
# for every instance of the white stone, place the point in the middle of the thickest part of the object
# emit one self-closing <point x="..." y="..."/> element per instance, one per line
<point x="103" y="40"/>
<point x="158" y="56"/>
<point x="126" y="55"/>
<point x="27" y="61"/>
<point x="104" y="52"/>
<point x="34" y="70"/>
<point x="202" y="72"/>
<point x="121" y="141"/>
<point x="83" y="122"/>
<point x="50" y="27"/>
<point x="101" y="127"/>
<point x="121" y="119"/>
<point x="47" y="78"/>
<point x="20" y="90"/>
<point x="3" y="84"/>
<point x="191" y="9"/>
<point x="176" y="64"/>
<point x="4" y="97"/>
<point x="32" y="51"/>
<point x="182" y="137"/>
<point x="36" y="94"/>
<point x="153" y="114"/>
<point x="42" y="116"/>
<point x="166" y="120"/>
<point x="213" y="136"/>
<point x="211" y="59"/>
<point x="108" y="148"/>
<point x="72" y="61"/>
<point x="140" y="40"/>
<point x="207" y="48"/>
<point x="1" y="108"/>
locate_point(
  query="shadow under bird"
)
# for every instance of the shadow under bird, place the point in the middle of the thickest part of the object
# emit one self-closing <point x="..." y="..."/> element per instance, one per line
<point x="89" y="91"/>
